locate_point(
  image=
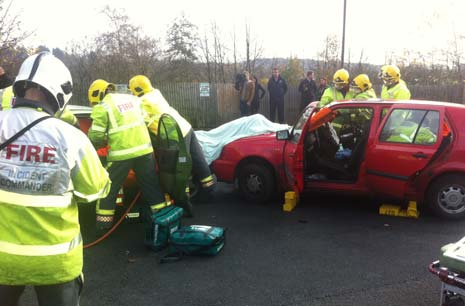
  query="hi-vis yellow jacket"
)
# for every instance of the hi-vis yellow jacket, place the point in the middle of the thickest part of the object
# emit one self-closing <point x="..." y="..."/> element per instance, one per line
<point x="397" y="92"/>
<point x="332" y="94"/>
<point x="6" y="95"/>
<point x="44" y="173"/>
<point x="119" y="118"/>
<point x="155" y="105"/>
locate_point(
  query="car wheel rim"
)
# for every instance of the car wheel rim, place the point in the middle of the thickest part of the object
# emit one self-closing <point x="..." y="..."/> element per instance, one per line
<point x="451" y="199"/>
<point x="254" y="184"/>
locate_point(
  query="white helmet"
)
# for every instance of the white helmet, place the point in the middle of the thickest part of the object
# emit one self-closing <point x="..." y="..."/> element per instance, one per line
<point x="49" y="73"/>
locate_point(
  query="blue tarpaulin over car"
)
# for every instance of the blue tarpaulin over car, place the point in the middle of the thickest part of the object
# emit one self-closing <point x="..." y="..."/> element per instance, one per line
<point x="213" y="141"/>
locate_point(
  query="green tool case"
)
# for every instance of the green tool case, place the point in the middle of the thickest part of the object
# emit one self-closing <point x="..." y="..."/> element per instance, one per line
<point x="163" y="224"/>
<point x="453" y="256"/>
<point x="195" y="240"/>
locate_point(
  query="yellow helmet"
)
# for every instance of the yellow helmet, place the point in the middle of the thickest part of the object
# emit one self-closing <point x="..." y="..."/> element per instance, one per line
<point x="360" y="83"/>
<point x="341" y="78"/>
<point x="390" y="74"/>
<point x="97" y="91"/>
<point x="139" y="85"/>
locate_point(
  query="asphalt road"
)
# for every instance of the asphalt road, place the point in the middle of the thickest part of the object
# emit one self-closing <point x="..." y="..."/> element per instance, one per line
<point x="328" y="251"/>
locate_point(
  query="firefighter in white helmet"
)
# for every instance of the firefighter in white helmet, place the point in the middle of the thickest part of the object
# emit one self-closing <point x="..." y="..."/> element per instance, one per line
<point x="118" y="120"/>
<point x="156" y="105"/>
<point x="45" y="171"/>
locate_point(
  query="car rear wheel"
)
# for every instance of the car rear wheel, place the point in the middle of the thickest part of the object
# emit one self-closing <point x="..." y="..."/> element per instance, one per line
<point x="446" y="197"/>
<point x="256" y="182"/>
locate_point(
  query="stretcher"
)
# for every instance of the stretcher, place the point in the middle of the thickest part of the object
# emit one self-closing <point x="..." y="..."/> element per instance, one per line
<point x="450" y="268"/>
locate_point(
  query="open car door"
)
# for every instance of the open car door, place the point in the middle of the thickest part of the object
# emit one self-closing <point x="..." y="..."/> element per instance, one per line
<point x="294" y="148"/>
<point x="405" y="142"/>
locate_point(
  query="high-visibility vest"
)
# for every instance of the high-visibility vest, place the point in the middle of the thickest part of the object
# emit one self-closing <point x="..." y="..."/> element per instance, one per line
<point x="155" y="105"/>
<point x="120" y="118"/>
<point x="7" y="96"/>
<point x="397" y="92"/>
<point x="44" y="174"/>
<point x="365" y="95"/>
<point x="332" y="94"/>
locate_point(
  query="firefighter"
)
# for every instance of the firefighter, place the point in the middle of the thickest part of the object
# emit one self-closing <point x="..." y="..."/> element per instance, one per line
<point x="155" y="105"/>
<point x="339" y="90"/>
<point x="394" y="87"/>
<point x="6" y="90"/>
<point x="8" y="100"/>
<point x="361" y="88"/>
<point x="117" y="119"/>
<point x="50" y="168"/>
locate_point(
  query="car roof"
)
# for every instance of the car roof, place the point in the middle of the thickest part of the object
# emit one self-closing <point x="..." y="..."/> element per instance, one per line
<point x="402" y="102"/>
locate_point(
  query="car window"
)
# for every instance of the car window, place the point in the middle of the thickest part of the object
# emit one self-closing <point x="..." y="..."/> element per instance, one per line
<point x="354" y="120"/>
<point x="411" y="126"/>
<point x="297" y="131"/>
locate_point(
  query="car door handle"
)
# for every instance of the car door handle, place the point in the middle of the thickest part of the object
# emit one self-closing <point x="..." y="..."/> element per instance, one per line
<point x="420" y="155"/>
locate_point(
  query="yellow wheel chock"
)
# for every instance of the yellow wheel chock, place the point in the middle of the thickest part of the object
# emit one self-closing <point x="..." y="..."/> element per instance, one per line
<point x="397" y="211"/>
<point x="290" y="201"/>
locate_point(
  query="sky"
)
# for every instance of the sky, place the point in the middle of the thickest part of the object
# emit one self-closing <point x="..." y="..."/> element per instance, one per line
<point x="283" y="28"/>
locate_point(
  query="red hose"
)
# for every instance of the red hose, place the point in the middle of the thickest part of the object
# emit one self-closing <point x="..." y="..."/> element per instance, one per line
<point x="111" y="230"/>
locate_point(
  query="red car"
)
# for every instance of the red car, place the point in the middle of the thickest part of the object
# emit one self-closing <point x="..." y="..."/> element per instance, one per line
<point x="408" y="150"/>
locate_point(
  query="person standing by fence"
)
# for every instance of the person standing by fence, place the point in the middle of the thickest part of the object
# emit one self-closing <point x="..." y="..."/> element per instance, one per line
<point x="257" y="96"/>
<point x="322" y="88"/>
<point x="277" y="88"/>
<point x="246" y="88"/>
<point x="308" y="90"/>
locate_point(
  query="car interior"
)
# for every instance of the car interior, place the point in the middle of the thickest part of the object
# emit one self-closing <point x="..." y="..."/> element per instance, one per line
<point x="335" y="150"/>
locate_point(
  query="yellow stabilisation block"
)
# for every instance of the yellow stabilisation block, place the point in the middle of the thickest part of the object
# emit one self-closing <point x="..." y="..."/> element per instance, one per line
<point x="397" y="211"/>
<point x="290" y="201"/>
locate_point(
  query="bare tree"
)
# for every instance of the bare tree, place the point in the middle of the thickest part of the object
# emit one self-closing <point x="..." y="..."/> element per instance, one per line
<point x="253" y="50"/>
<point x="12" y="53"/>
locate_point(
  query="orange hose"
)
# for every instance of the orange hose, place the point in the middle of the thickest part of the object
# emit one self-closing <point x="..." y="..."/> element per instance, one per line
<point x="111" y="230"/>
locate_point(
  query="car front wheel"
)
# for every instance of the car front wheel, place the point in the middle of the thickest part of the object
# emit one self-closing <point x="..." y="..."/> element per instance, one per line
<point x="446" y="197"/>
<point x="256" y="182"/>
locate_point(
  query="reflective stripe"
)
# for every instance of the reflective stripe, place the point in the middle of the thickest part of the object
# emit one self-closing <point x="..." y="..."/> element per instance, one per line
<point x="39" y="250"/>
<point x="98" y="128"/>
<point x="126" y="127"/>
<point x="109" y="108"/>
<point x="208" y="184"/>
<point x="92" y="197"/>
<point x="27" y="200"/>
<point x="208" y="178"/>
<point x="208" y="181"/>
<point x="159" y="206"/>
<point x="105" y="212"/>
<point x="119" y="196"/>
<point x="130" y="150"/>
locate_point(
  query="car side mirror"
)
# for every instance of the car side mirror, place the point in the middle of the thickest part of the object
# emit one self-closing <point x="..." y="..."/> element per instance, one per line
<point x="282" y="135"/>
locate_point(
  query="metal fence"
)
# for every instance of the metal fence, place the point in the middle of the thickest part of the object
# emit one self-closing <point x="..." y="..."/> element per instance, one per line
<point x="222" y="103"/>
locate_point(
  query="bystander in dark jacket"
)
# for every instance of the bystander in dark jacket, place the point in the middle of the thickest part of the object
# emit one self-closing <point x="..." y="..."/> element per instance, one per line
<point x="277" y="88"/>
<point x="322" y="88"/>
<point x="259" y="93"/>
<point x="5" y="81"/>
<point x="308" y="90"/>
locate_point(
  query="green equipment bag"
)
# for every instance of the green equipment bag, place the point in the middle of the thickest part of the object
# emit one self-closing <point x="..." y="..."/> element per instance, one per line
<point x="195" y="240"/>
<point x="453" y="256"/>
<point x="162" y="225"/>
